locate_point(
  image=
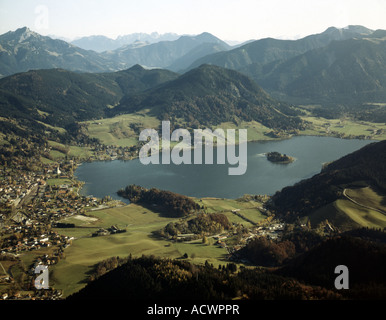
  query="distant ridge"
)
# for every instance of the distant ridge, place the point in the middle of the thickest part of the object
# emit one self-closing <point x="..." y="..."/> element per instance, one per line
<point x="209" y="95"/>
<point x="100" y="43"/>
<point x="267" y="50"/>
<point x="164" y="53"/>
<point x="23" y="50"/>
<point x="347" y="72"/>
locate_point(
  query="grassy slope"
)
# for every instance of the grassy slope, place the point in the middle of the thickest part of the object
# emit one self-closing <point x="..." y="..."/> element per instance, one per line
<point x="74" y="151"/>
<point x="247" y="209"/>
<point x="347" y="215"/>
<point x="117" y="131"/>
<point x="367" y="197"/>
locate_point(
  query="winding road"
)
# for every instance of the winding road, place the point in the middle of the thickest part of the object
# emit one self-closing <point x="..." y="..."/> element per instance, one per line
<point x="362" y="205"/>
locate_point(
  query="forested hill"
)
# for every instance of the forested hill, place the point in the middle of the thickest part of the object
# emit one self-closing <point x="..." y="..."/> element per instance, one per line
<point x="60" y="98"/>
<point x="209" y="95"/>
<point x="365" y="166"/>
<point x="174" y="204"/>
<point x="264" y="51"/>
<point x="349" y="72"/>
<point x="366" y="261"/>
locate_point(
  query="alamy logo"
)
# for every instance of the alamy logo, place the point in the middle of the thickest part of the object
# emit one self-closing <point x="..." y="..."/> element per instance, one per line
<point x="341" y="282"/>
<point x="41" y="281"/>
<point x="182" y="151"/>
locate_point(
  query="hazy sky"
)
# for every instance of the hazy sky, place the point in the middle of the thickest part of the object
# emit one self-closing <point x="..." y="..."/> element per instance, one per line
<point x="227" y="19"/>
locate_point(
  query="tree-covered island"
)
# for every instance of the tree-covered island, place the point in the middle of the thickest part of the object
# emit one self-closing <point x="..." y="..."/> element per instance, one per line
<point x="279" y="158"/>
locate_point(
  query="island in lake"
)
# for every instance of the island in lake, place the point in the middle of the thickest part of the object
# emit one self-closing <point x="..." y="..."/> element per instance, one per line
<point x="279" y="158"/>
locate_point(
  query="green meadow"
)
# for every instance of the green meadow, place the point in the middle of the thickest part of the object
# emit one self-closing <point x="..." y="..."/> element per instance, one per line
<point x="60" y="151"/>
<point x="345" y="128"/>
<point x="249" y="209"/>
<point x="347" y="215"/>
<point x="71" y="273"/>
<point x="368" y="197"/>
<point x="118" y="130"/>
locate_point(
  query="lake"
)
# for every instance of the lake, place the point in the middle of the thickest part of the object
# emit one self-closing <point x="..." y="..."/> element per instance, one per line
<point x="262" y="176"/>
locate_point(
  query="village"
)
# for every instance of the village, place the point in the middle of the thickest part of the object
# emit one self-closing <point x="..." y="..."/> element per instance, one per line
<point x="30" y="205"/>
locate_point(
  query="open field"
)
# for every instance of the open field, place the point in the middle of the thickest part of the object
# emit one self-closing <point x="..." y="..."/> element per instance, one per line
<point x="249" y="210"/>
<point x="198" y="252"/>
<point x="86" y="251"/>
<point x="58" y="182"/>
<point x="256" y="131"/>
<point x="346" y="215"/>
<point x="368" y="197"/>
<point x="118" y="131"/>
<point x="72" y="151"/>
<point x="345" y="128"/>
<point x="364" y="217"/>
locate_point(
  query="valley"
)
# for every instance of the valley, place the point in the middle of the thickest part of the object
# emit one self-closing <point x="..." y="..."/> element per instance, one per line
<point x="139" y="223"/>
<point x="64" y="118"/>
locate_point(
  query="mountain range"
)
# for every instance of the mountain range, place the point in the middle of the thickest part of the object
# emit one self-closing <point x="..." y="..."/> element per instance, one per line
<point x="103" y="43"/>
<point x="268" y="50"/>
<point x="165" y="53"/>
<point x="209" y="95"/>
<point x="350" y="72"/>
<point x="60" y="98"/>
<point x="336" y="67"/>
<point x="200" y="81"/>
<point x="23" y="50"/>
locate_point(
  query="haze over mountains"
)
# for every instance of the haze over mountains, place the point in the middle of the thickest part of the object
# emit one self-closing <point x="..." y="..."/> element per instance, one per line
<point x="23" y="50"/>
<point x="103" y="43"/>
<point x="165" y="53"/>
<point x="341" y="66"/>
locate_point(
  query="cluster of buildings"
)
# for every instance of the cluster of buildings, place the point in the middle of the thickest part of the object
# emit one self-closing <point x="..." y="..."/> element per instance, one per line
<point x="29" y="216"/>
<point x="30" y="204"/>
<point x="16" y="185"/>
<point x="28" y="239"/>
<point x="108" y="231"/>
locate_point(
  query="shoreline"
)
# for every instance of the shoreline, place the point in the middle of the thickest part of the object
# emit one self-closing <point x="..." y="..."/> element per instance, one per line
<point x="251" y="141"/>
